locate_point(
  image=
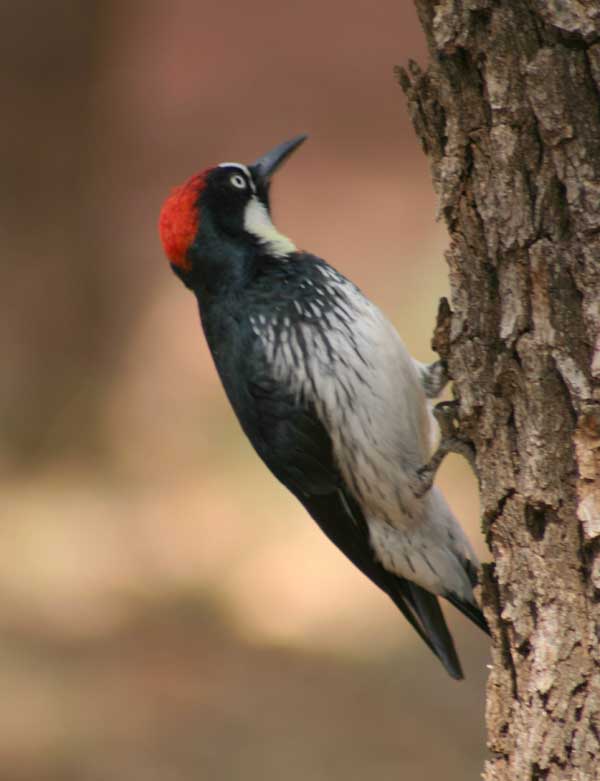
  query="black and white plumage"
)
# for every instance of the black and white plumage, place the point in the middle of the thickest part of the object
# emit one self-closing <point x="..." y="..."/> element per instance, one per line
<point x="325" y="390"/>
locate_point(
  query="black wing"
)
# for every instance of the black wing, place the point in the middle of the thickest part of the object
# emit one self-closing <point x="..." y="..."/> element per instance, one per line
<point x="296" y="447"/>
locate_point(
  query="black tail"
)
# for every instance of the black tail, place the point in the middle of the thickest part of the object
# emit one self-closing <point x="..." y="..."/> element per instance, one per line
<point x="471" y="611"/>
<point x="424" y="613"/>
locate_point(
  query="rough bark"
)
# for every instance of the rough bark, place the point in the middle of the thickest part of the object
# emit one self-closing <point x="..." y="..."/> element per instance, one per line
<point x="509" y="115"/>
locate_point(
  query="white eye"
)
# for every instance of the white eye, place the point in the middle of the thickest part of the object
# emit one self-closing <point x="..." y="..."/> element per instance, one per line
<point x="238" y="181"/>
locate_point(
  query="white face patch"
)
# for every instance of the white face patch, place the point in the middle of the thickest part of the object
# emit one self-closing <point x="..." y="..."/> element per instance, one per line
<point x="258" y="222"/>
<point x="243" y="168"/>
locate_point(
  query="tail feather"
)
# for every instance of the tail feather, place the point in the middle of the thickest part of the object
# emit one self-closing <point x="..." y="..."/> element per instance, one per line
<point x="423" y="611"/>
<point x="434" y="623"/>
<point x="470" y="610"/>
<point x="403" y="601"/>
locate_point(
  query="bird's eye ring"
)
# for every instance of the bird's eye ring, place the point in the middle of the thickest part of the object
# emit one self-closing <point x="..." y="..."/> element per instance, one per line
<point x="238" y="181"/>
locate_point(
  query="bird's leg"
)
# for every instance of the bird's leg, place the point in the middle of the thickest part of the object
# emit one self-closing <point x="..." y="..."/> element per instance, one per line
<point x="445" y="414"/>
<point x="434" y="377"/>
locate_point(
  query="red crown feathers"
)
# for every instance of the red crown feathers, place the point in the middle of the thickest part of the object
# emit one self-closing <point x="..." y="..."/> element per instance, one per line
<point x="179" y="220"/>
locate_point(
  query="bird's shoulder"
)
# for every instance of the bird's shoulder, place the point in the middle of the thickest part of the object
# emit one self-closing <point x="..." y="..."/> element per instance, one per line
<point x="304" y="309"/>
<point x="301" y="283"/>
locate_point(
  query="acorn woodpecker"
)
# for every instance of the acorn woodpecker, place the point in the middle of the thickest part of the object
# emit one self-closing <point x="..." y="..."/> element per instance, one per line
<point x="325" y="391"/>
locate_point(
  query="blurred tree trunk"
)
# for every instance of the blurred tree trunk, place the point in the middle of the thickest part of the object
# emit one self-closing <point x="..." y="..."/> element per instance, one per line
<point x="509" y="114"/>
<point x="51" y="342"/>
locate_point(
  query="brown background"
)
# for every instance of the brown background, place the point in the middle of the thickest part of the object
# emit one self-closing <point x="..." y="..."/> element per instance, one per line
<point x="167" y="611"/>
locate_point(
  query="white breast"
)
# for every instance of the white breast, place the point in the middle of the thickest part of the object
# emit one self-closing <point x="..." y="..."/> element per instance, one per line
<point x="362" y="381"/>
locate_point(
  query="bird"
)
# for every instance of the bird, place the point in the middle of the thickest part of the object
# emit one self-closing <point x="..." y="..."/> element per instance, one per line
<point x="325" y="390"/>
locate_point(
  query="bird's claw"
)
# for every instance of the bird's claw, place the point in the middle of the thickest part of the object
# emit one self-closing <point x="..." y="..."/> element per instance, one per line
<point x="434" y="378"/>
<point x="445" y="413"/>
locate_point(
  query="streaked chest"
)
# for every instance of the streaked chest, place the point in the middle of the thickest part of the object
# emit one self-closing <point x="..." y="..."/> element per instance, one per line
<point x="334" y="349"/>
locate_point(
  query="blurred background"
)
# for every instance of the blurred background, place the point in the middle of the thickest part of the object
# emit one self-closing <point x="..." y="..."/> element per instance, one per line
<point x="167" y="610"/>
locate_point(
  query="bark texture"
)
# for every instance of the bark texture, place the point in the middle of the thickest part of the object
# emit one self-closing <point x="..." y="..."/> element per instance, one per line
<point x="509" y="115"/>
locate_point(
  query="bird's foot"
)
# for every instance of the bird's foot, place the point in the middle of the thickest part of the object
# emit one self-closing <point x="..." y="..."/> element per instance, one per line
<point x="434" y="378"/>
<point x="445" y="414"/>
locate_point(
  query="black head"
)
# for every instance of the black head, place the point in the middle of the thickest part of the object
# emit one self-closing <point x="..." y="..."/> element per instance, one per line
<point x="216" y="218"/>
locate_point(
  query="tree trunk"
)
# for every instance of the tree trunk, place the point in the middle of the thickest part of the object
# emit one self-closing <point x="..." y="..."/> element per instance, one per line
<point x="509" y="114"/>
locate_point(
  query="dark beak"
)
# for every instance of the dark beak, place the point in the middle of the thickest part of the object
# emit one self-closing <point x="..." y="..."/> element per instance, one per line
<point x="266" y="165"/>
